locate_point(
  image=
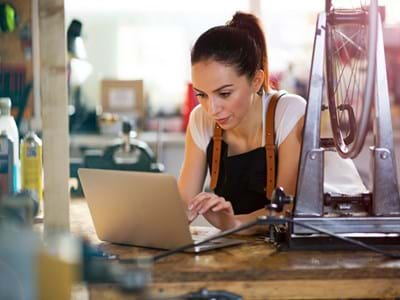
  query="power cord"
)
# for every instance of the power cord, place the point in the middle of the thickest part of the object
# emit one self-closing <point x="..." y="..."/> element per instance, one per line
<point x="278" y="201"/>
<point x="262" y="220"/>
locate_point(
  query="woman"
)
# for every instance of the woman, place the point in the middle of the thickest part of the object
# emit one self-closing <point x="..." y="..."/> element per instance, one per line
<point x="231" y="82"/>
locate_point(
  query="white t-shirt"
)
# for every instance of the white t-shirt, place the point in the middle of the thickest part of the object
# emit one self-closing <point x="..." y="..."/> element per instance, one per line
<point x="341" y="175"/>
<point x="289" y="110"/>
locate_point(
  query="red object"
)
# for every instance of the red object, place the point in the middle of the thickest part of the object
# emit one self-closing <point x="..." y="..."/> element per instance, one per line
<point x="274" y="80"/>
<point x="188" y="105"/>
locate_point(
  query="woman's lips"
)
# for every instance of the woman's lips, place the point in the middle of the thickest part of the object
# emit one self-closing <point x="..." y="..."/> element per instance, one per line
<point x="222" y="121"/>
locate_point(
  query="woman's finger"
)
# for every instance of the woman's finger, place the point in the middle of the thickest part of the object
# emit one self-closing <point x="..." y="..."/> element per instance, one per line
<point x="210" y="204"/>
<point x="223" y="206"/>
<point x="198" y="199"/>
<point x="191" y="216"/>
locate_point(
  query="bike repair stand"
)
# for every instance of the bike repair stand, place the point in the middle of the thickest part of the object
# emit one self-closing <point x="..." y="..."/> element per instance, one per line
<point x="382" y="214"/>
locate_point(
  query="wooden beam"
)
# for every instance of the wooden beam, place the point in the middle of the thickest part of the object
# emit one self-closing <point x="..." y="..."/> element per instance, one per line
<point x="36" y="121"/>
<point x="255" y="7"/>
<point x="54" y="102"/>
<point x="272" y="289"/>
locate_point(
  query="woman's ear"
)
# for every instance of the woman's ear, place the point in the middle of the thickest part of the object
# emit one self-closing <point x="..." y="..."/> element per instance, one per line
<point x="258" y="80"/>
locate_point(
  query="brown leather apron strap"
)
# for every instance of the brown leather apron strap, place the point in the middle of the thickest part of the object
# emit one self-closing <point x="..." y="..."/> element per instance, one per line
<point x="216" y="156"/>
<point x="270" y="148"/>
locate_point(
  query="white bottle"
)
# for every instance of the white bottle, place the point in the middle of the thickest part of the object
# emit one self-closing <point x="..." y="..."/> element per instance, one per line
<point x="7" y="123"/>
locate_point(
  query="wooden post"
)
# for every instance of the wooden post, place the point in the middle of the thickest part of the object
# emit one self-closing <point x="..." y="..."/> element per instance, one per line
<point x="255" y="7"/>
<point x="54" y="102"/>
<point x="36" y="121"/>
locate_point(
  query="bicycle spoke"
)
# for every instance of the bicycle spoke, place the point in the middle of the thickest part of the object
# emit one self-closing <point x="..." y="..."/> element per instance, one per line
<point x="350" y="40"/>
<point x="348" y="70"/>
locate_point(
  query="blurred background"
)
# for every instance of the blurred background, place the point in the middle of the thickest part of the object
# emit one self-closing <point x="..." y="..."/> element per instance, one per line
<point x="130" y="60"/>
<point x="152" y="40"/>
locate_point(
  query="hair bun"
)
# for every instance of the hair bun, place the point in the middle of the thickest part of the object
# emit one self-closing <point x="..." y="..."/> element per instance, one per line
<point x="252" y="26"/>
<point x="243" y="21"/>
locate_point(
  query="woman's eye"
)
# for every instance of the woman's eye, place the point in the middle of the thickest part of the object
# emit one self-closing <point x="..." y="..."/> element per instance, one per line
<point x="201" y="96"/>
<point x="225" y="94"/>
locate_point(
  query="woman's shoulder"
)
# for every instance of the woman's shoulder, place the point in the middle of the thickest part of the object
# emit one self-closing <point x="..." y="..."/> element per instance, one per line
<point x="292" y="99"/>
<point x="201" y="126"/>
<point x="290" y="104"/>
<point x="289" y="110"/>
<point x="287" y="99"/>
<point x="200" y="116"/>
<point x="197" y="110"/>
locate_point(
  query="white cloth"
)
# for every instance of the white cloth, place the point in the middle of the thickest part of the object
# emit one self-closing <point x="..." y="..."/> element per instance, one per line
<point x="341" y="175"/>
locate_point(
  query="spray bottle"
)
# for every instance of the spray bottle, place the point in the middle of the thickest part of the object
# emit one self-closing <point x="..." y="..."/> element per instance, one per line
<point x="7" y="124"/>
<point x="6" y="165"/>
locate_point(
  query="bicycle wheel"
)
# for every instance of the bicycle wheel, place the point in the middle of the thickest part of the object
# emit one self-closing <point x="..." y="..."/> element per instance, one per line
<point x="350" y="59"/>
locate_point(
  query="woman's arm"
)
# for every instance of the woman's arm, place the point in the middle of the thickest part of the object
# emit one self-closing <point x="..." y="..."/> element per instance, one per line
<point x="193" y="171"/>
<point x="289" y="157"/>
<point x="215" y="209"/>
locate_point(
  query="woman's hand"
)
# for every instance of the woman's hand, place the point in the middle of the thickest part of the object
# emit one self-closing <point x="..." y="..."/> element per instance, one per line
<point x="215" y="209"/>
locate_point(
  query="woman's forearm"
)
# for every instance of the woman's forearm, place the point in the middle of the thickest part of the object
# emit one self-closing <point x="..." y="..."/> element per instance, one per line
<point x="245" y="218"/>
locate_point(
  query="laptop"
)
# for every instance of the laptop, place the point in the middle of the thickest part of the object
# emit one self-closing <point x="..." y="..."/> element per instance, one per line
<point x="140" y="209"/>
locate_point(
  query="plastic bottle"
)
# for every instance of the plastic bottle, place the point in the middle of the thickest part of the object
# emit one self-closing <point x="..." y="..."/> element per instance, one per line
<point x="32" y="164"/>
<point x="6" y="165"/>
<point x="7" y="124"/>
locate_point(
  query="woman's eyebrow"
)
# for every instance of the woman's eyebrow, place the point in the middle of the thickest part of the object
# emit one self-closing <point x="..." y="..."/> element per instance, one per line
<point x="197" y="90"/>
<point x="222" y="87"/>
<point x="216" y="90"/>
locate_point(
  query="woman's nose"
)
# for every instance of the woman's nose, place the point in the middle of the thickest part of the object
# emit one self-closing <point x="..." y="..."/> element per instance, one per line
<point x="214" y="106"/>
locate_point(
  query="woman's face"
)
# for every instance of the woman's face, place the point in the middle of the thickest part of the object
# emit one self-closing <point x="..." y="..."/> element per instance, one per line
<point x="223" y="94"/>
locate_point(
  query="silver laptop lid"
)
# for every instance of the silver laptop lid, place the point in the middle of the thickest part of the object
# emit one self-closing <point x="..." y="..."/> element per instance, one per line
<point x="136" y="208"/>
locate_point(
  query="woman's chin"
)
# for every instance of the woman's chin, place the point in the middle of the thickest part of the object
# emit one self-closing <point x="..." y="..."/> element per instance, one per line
<point x="225" y="123"/>
<point x="227" y="126"/>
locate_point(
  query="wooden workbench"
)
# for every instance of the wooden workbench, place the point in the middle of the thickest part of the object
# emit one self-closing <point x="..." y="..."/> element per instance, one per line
<point x="255" y="270"/>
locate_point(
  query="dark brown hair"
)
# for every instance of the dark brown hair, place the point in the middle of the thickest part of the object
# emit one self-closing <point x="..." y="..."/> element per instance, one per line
<point x="240" y="43"/>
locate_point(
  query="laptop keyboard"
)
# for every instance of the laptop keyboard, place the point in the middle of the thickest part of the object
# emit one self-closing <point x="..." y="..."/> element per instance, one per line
<point x="200" y="233"/>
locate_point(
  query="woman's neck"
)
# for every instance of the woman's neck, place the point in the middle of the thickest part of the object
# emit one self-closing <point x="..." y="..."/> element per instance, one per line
<point x="250" y="128"/>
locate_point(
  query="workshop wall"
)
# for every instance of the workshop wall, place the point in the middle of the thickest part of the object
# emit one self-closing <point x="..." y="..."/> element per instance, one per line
<point x="16" y="46"/>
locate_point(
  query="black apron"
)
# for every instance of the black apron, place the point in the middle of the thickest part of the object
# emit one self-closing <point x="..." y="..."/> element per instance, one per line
<point x="241" y="178"/>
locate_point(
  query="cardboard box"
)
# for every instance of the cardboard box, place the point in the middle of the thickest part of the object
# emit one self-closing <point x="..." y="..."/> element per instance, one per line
<point x="123" y="96"/>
